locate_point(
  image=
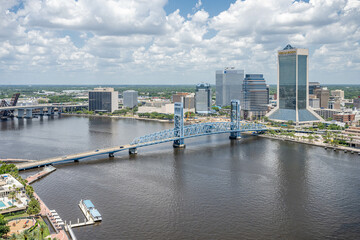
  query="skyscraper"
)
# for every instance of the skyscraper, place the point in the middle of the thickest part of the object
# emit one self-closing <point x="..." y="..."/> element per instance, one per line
<point x="130" y="98"/>
<point x="293" y="85"/>
<point x="228" y="85"/>
<point x="255" y="96"/>
<point x="203" y="98"/>
<point x="103" y="99"/>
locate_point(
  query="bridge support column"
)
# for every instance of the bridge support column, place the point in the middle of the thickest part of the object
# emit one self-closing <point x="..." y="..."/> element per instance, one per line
<point x="132" y="151"/>
<point x="111" y="155"/>
<point x="41" y="112"/>
<point x="29" y="113"/>
<point x="179" y="125"/>
<point x="20" y="113"/>
<point x="235" y="119"/>
<point x="60" y="110"/>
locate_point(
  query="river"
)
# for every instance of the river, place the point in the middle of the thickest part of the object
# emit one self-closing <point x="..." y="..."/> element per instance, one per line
<point x="215" y="188"/>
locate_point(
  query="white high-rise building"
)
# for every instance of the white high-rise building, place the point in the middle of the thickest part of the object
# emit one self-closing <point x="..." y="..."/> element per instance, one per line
<point x="130" y="98"/>
<point x="103" y="99"/>
<point x="228" y="85"/>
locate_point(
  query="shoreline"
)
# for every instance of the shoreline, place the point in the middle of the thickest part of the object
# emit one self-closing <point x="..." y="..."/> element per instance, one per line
<point x="119" y="117"/>
<point x="317" y="144"/>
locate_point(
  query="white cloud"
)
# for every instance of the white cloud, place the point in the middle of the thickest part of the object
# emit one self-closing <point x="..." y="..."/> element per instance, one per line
<point x="139" y="42"/>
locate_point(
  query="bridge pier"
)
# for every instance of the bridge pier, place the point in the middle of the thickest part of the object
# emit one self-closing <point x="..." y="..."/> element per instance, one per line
<point x="20" y="113"/>
<point x="235" y="119"/>
<point x="111" y="155"/>
<point x="41" y="111"/>
<point x="29" y="113"/>
<point x="132" y="151"/>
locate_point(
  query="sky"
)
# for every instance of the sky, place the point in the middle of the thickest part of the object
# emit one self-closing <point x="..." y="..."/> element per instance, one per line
<point x="173" y="41"/>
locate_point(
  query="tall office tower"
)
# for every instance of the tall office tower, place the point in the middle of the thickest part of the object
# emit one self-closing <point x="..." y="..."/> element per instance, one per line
<point x="228" y="85"/>
<point x="130" y="98"/>
<point x="255" y="96"/>
<point x="313" y="86"/>
<point x="103" y="100"/>
<point x="292" y="91"/>
<point x="323" y="94"/>
<point x="203" y="98"/>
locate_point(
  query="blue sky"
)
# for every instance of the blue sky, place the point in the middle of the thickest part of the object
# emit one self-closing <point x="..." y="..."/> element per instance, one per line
<point x="173" y="42"/>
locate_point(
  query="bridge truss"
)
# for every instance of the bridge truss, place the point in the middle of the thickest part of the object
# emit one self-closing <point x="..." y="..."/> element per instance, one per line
<point x="180" y="132"/>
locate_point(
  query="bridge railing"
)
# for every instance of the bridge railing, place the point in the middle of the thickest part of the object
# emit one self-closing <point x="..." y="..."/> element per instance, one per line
<point x="198" y="130"/>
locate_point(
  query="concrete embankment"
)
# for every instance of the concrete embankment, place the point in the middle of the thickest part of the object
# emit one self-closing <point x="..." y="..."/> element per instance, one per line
<point x="119" y="117"/>
<point x="314" y="143"/>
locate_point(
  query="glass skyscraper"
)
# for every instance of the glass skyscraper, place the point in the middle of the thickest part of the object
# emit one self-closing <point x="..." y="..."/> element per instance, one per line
<point x="255" y="96"/>
<point x="292" y="91"/>
<point x="228" y="85"/>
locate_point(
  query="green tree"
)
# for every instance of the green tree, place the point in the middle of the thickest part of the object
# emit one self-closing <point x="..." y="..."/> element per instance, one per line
<point x="3" y="228"/>
<point x="33" y="207"/>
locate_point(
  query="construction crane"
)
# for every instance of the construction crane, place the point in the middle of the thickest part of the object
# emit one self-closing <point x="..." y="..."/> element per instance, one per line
<point x="5" y="114"/>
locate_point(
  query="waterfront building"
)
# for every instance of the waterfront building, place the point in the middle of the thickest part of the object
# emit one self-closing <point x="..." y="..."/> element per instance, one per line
<point x="255" y="94"/>
<point x="203" y="98"/>
<point x="313" y="86"/>
<point x="103" y="100"/>
<point x="292" y="91"/>
<point x="353" y="134"/>
<point x="323" y="95"/>
<point x="228" y="85"/>
<point x="130" y="98"/>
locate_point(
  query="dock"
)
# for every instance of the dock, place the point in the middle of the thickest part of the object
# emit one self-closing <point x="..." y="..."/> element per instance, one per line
<point x="47" y="170"/>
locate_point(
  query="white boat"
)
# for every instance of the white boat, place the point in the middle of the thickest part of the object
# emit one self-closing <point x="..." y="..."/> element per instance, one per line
<point x="90" y="211"/>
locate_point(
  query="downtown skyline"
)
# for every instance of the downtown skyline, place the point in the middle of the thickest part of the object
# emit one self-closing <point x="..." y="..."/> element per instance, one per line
<point x="173" y="42"/>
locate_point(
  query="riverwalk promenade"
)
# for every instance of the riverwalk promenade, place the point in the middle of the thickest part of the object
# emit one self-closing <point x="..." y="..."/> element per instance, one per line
<point x="314" y="143"/>
<point x="44" y="210"/>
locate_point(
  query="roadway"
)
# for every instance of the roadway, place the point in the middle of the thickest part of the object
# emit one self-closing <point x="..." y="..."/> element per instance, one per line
<point x="41" y="106"/>
<point x="78" y="156"/>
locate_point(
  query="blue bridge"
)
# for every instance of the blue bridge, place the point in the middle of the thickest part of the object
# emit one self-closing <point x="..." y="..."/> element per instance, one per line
<point x="177" y="135"/>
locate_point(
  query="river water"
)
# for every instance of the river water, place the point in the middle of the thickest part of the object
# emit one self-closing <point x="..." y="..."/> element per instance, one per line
<point x="215" y="188"/>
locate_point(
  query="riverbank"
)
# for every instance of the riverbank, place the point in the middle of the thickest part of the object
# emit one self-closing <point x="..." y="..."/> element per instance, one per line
<point x="120" y="117"/>
<point x="313" y="143"/>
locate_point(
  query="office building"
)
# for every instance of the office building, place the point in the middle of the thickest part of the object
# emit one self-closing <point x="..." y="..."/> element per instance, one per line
<point x="334" y="104"/>
<point x="103" y="100"/>
<point x="255" y="96"/>
<point x="203" y="98"/>
<point x="338" y="94"/>
<point x="179" y="97"/>
<point x="356" y="102"/>
<point x="292" y="91"/>
<point x="323" y="94"/>
<point x="228" y="85"/>
<point x="188" y="100"/>
<point x="130" y="98"/>
<point x="314" y="102"/>
<point x="313" y="86"/>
